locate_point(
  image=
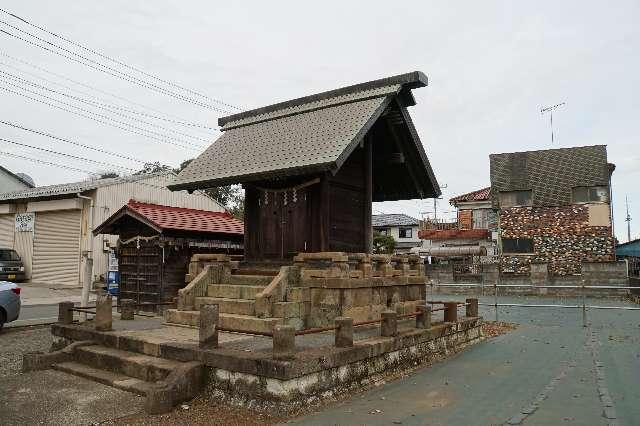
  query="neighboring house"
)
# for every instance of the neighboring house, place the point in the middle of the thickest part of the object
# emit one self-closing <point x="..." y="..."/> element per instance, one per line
<point x="50" y="226"/>
<point x="470" y="234"/>
<point x="630" y="251"/>
<point x="10" y="181"/>
<point x="554" y="208"/>
<point x="403" y="229"/>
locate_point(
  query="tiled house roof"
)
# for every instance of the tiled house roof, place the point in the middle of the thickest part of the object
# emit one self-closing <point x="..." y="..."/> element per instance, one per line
<point x="308" y="135"/>
<point x="479" y="195"/>
<point x="550" y="174"/>
<point x="162" y="218"/>
<point x="381" y="220"/>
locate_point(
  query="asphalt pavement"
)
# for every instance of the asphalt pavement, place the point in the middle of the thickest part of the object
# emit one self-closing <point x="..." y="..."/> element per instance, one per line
<point x="35" y="314"/>
<point x="550" y="370"/>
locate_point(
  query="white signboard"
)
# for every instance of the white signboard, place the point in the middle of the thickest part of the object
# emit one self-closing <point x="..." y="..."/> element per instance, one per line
<point x="113" y="261"/>
<point x="25" y="222"/>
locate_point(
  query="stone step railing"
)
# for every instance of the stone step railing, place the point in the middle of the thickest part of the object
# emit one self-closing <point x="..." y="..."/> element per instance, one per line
<point x="276" y="290"/>
<point x="358" y="265"/>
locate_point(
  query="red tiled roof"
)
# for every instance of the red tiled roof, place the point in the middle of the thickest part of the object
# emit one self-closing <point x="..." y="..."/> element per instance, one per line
<point x="479" y="195"/>
<point x="452" y="234"/>
<point x="184" y="219"/>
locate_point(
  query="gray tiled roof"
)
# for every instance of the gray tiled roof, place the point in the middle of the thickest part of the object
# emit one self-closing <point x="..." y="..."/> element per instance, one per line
<point x="380" y="220"/>
<point x="73" y="187"/>
<point x="306" y="135"/>
<point x="550" y="173"/>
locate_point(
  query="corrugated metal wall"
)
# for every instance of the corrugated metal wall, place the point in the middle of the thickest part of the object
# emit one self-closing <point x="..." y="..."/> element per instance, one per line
<point x="56" y="247"/>
<point x="7" y="227"/>
<point x="110" y="199"/>
<point x="23" y="244"/>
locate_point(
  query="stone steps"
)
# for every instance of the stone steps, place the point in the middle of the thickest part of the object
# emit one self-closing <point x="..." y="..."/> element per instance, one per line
<point x="143" y="367"/>
<point x="256" y="271"/>
<point x="228" y="306"/>
<point x="238" y="322"/>
<point x="232" y="291"/>
<point x="252" y="280"/>
<point x="109" y="378"/>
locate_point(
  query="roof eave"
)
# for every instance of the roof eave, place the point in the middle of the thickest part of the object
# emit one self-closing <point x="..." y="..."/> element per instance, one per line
<point x="252" y="177"/>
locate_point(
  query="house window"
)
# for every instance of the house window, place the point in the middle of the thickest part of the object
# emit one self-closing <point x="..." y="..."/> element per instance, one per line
<point x="515" y="198"/>
<point x="481" y="219"/>
<point x="405" y="233"/>
<point x="517" y="245"/>
<point x="384" y="231"/>
<point x="590" y="194"/>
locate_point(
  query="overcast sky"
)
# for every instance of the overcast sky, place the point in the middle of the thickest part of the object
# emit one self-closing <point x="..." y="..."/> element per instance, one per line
<point x="491" y="67"/>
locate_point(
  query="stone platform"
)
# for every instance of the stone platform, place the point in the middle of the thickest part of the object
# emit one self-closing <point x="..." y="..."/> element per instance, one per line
<point x="135" y="353"/>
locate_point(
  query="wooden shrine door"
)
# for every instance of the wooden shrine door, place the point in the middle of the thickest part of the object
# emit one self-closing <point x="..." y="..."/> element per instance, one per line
<point x="283" y="223"/>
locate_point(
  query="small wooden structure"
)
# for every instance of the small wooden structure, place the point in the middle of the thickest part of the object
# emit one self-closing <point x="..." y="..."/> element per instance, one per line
<point x="156" y="243"/>
<point x="311" y="167"/>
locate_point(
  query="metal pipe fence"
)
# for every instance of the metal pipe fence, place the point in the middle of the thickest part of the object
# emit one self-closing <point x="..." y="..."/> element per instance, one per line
<point x="584" y="307"/>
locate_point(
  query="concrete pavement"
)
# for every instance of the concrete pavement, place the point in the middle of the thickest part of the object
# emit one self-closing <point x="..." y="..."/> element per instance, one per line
<point x="550" y="370"/>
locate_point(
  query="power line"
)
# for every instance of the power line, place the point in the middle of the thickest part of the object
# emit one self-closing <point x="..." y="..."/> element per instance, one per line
<point x="35" y="160"/>
<point x="117" y="61"/>
<point x="49" y="135"/>
<point x="105" y="107"/>
<point x="193" y="147"/>
<point x="64" y="166"/>
<point x="75" y="157"/>
<point x="183" y="121"/>
<point x="105" y="69"/>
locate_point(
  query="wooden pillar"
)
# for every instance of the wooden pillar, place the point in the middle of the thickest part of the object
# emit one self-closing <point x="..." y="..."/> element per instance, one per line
<point x="368" y="193"/>
<point x="325" y="225"/>
<point x="251" y="221"/>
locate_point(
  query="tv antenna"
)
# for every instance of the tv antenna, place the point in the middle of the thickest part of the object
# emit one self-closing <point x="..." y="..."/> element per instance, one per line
<point x="550" y="110"/>
<point x="628" y="219"/>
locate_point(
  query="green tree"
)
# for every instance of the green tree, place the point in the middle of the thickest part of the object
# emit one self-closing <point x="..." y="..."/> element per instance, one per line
<point x="153" y="167"/>
<point x="107" y="174"/>
<point x="383" y="244"/>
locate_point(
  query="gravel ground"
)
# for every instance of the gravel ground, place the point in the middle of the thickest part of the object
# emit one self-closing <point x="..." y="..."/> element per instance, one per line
<point x="201" y="412"/>
<point x="51" y="397"/>
<point x="15" y="342"/>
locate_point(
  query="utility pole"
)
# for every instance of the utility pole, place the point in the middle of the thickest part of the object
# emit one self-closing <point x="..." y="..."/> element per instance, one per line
<point x="435" y="205"/>
<point x="628" y="219"/>
<point x="550" y="111"/>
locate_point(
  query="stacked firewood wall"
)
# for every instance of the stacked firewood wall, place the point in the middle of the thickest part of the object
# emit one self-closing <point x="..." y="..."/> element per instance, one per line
<point x="562" y="237"/>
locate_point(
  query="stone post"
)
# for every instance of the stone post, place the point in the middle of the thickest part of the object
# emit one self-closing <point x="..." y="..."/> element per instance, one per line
<point x="423" y="319"/>
<point x="208" y="332"/>
<point x="284" y="342"/>
<point x="104" y="313"/>
<point x="65" y="315"/>
<point x="472" y="307"/>
<point x="451" y="312"/>
<point x="344" y="332"/>
<point x="389" y="325"/>
<point x="127" y="309"/>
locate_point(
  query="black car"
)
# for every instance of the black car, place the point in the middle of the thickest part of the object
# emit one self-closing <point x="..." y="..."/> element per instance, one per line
<point x="11" y="267"/>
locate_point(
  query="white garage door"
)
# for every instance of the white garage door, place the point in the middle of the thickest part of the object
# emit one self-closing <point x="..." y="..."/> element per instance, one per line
<point x="56" y="247"/>
<point x="7" y="227"/>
